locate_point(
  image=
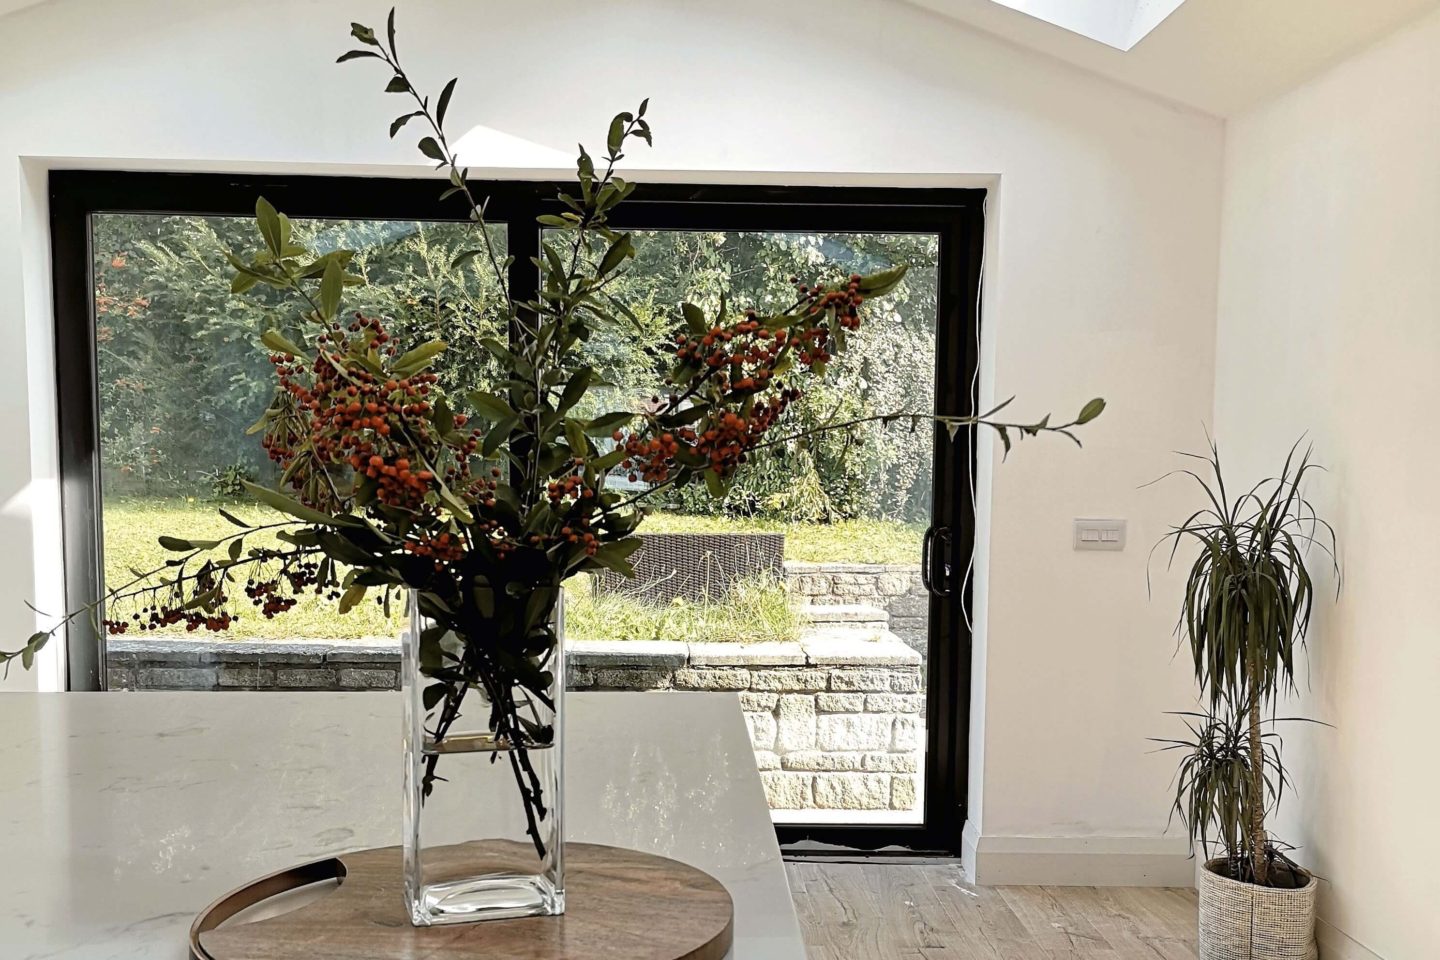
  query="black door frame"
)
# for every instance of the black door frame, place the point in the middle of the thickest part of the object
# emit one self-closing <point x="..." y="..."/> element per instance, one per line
<point x="956" y="215"/>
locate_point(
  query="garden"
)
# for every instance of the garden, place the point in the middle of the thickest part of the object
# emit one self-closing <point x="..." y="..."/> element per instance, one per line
<point x="181" y="377"/>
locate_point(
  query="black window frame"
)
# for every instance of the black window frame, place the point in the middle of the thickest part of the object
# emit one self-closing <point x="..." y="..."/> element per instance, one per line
<point x="957" y="215"/>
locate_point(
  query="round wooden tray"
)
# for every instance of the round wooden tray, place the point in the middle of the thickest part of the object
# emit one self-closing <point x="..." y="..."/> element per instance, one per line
<point x="620" y="905"/>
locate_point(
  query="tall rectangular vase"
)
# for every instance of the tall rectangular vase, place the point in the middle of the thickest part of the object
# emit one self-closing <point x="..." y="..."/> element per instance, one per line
<point x="484" y="784"/>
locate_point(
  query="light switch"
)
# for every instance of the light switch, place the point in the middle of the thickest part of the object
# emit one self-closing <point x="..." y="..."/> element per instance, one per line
<point x="1099" y="534"/>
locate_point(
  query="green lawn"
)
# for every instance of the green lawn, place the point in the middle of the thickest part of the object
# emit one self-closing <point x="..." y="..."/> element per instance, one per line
<point x="847" y="541"/>
<point x="754" y="612"/>
<point x="131" y="526"/>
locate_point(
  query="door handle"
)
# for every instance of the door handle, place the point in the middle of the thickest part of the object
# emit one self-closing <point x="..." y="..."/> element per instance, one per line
<point x="935" y="554"/>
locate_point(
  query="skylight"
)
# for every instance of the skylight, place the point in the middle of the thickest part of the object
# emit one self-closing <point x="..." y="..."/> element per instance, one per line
<point x="1117" y="23"/>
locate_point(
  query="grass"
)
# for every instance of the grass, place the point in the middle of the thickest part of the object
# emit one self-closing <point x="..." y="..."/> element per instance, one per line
<point x="847" y="541"/>
<point x="752" y="612"/>
<point x="131" y="526"/>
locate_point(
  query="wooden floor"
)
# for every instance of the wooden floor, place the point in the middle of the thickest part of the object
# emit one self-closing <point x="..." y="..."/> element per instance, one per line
<point x="922" y="912"/>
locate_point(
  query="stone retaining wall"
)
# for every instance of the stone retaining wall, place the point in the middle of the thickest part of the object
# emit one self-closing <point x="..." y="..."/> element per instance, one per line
<point x="894" y="588"/>
<point x="157" y="664"/>
<point x="835" y="720"/>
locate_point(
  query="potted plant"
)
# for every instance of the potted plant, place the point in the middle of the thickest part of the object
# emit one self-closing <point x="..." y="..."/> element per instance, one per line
<point x="477" y="509"/>
<point x="1248" y="599"/>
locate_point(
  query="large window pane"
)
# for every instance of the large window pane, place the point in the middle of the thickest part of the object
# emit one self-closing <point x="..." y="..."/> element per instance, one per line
<point x="182" y="374"/>
<point x="816" y="546"/>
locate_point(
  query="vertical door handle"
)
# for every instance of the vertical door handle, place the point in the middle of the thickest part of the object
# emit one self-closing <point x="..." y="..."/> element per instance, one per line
<point x="935" y="556"/>
<point x="925" y="543"/>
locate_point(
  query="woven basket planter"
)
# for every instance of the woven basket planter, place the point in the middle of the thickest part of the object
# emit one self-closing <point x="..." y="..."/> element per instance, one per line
<point x="1240" y="921"/>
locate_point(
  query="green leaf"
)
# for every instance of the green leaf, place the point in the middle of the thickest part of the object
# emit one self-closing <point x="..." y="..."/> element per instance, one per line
<point x="355" y="55"/>
<point x="433" y="694"/>
<point x="694" y="318"/>
<point x="489" y="406"/>
<point x="576" y="388"/>
<point x="466" y="255"/>
<point x="261" y="423"/>
<point x="444" y="102"/>
<point x="397" y="84"/>
<point x="352" y="595"/>
<point x="294" y="508"/>
<point x="608" y="461"/>
<point x="1091" y="410"/>
<point x="484" y="596"/>
<point x="551" y="220"/>
<point x="880" y="283"/>
<point x="456" y="506"/>
<point x="616" y="255"/>
<point x="498" y="435"/>
<point x="332" y="286"/>
<point x="616" y="135"/>
<point x="715" y="484"/>
<point x="342" y="550"/>
<point x="242" y="282"/>
<point x="364" y="34"/>
<point x="399" y="122"/>
<point x="431" y="149"/>
<point x="575" y="438"/>
<point x="183" y="546"/>
<point x="269" y="221"/>
<point x="413" y="361"/>
<point x="280" y="343"/>
<point x="232" y="518"/>
<point x="616" y="555"/>
<point x="442" y="417"/>
<point x="607" y="423"/>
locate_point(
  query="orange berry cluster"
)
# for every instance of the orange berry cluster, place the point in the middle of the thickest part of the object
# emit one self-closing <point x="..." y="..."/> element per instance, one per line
<point x="443" y="547"/>
<point x="737" y="363"/>
<point x="573" y="497"/>
<point x="378" y="426"/>
<point x="582" y="535"/>
<point x="741" y="357"/>
<point x="729" y="437"/>
<point x="652" y="458"/>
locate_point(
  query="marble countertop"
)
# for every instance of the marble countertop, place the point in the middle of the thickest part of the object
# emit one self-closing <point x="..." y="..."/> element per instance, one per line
<point x="123" y="814"/>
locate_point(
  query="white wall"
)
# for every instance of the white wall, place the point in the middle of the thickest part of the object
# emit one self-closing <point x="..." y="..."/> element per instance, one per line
<point x="1100" y="272"/>
<point x="1330" y="322"/>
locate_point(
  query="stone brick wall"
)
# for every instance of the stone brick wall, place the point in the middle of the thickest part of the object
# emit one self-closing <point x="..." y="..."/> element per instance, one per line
<point x="156" y="664"/>
<point x="894" y="588"/>
<point x="836" y="721"/>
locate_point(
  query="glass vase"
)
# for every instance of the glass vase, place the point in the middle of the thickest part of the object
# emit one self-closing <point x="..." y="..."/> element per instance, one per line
<point x="484" y="806"/>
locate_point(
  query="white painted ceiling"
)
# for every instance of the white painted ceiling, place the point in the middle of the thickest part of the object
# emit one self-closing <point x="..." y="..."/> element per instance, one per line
<point x="1219" y="56"/>
<point x="10" y="6"/>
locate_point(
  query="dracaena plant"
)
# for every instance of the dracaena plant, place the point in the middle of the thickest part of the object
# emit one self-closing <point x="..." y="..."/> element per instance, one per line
<point x="483" y="505"/>
<point x="1249" y="594"/>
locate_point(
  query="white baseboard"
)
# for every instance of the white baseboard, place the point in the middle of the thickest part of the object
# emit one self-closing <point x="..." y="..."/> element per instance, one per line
<point x="1335" y="944"/>
<point x="1077" y="861"/>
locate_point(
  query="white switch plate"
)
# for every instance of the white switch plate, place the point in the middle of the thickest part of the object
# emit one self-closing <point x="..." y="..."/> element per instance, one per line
<point x="1099" y="534"/>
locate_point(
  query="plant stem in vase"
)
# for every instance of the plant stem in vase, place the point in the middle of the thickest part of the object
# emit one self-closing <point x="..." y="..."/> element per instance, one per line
<point x="484" y="780"/>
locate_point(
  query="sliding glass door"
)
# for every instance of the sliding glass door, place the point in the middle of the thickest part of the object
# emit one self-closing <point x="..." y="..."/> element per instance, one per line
<point x="826" y="589"/>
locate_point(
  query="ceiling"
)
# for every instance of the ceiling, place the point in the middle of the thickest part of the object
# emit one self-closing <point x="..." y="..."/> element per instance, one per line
<point x="1219" y="56"/>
